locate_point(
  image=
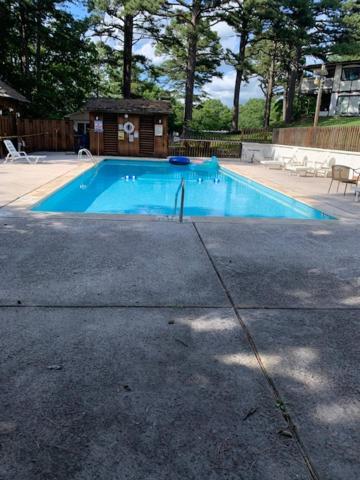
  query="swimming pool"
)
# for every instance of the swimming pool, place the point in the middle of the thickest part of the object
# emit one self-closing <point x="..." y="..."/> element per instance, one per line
<point x="149" y="188"/>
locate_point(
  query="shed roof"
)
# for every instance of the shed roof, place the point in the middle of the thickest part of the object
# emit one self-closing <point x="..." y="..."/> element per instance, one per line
<point x="9" y="92"/>
<point x="127" y="105"/>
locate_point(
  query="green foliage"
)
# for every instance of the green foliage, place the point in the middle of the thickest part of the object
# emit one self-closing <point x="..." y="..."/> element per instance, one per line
<point x="348" y="45"/>
<point x="211" y="115"/>
<point x="251" y="113"/>
<point x="304" y="107"/>
<point x="247" y="18"/>
<point x="176" y="119"/>
<point x="174" y="44"/>
<point x="46" y="55"/>
<point x="124" y="21"/>
<point x="110" y="78"/>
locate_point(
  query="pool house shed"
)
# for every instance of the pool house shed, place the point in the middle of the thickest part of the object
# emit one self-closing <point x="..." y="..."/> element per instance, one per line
<point x="128" y="127"/>
<point x="11" y="101"/>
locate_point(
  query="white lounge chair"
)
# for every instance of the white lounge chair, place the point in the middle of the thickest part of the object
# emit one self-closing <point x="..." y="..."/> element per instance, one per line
<point x="313" y="168"/>
<point x="21" y="155"/>
<point x="323" y="169"/>
<point x="280" y="161"/>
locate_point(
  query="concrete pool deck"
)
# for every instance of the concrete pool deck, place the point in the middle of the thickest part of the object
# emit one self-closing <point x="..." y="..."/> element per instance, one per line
<point x="155" y="350"/>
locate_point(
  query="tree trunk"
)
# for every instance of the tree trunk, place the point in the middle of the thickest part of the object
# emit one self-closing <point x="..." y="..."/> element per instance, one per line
<point x="38" y="43"/>
<point x="284" y="106"/>
<point x="293" y="77"/>
<point x="289" y="109"/>
<point x="238" y="80"/>
<point x="24" y="60"/>
<point x="269" y="92"/>
<point x="191" y="67"/>
<point x="127" y="54"/>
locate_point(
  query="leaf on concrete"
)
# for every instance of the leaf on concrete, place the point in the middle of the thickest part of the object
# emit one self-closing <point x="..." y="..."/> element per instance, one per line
<point x="7" y="427"/>
<point x="285" y="433"/>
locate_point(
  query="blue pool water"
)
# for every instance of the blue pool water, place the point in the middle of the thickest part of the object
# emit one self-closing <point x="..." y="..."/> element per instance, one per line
<point x="148" y="187"/>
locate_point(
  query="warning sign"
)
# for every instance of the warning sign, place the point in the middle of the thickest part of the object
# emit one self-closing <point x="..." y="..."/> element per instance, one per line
<point x="98" y="126"/>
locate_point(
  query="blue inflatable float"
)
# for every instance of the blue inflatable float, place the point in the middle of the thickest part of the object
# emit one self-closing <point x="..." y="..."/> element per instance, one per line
<point x="179" y="160"/>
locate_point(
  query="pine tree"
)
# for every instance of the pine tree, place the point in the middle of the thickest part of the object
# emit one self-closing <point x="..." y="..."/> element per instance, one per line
<point x="126" y="22"/>
<point x="193" y="48"/>
<point x="247" y="18"/>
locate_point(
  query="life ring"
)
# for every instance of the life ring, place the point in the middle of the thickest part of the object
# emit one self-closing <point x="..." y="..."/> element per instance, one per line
<point x="129" y="127"/>
<point x="179" y="160"/>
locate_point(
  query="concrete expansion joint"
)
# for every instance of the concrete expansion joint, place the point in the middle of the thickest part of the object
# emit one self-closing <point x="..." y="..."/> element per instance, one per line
<point x="170" y="306"/>
<point x="275" y="392"/>
<point x="124" y="306"/>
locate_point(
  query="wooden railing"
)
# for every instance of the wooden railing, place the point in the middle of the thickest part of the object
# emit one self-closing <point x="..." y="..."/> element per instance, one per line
<point x="223" y="145"/>
<point x="245" y="134"/>
<point x="206" y="148"/>
<point x="334" y="138"/>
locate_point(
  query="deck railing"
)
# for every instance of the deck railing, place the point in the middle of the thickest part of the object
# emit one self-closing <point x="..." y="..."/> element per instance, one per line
<point x="223" y="145"/>
<point x="206" y="148"/>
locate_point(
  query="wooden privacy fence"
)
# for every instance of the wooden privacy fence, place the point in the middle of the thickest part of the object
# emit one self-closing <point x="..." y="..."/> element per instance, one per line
<point x="38" y="134"/>
<point x="7" y="126"/>
<point x="332" y="138"/>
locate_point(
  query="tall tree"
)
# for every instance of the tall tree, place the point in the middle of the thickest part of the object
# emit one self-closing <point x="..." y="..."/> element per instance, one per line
<point x="307" y="29"/>
<point x="189" y="42"/>
<point x="126" y="22"/>
<point x="266" y="64"/>
<point x="246" y="17"/>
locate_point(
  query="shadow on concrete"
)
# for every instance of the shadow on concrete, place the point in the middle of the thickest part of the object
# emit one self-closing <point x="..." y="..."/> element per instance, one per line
<point x="312" y="357"/>
<point x="158" y="393"/>
<point x="82" y="261"/>
<point x="286" y="265"/>
<point x="136" y="394"/>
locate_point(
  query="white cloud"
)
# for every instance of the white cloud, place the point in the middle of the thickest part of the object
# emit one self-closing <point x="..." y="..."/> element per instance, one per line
<point x="227" y="35"/>
<point x="148" y="50"/>
<point x="223" y="89"/>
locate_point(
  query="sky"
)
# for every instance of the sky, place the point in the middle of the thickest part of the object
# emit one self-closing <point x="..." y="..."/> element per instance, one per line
<point x="219" y="88"/>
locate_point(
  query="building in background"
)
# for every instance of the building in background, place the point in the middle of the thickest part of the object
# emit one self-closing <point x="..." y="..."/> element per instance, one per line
<point x="11" y="101"/>
<point x="341" y="88"/>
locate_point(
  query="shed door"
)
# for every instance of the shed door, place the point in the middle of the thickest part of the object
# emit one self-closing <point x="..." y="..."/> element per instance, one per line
<point x="110" y="134"/>
<point x="146" y="135"/>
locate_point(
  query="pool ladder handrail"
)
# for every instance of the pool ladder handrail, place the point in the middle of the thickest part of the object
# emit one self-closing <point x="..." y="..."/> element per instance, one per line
<point x="182" y="199"/>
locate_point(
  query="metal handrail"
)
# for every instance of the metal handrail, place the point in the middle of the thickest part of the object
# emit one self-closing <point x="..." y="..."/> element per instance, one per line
<point x="182" y="199"/>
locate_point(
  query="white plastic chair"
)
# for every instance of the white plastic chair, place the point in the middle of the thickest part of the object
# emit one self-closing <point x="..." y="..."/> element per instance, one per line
<point x="19" y="155"/>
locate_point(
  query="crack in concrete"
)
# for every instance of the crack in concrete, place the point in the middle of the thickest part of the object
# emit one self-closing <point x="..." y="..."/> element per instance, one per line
<point x="276" y="394"/>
